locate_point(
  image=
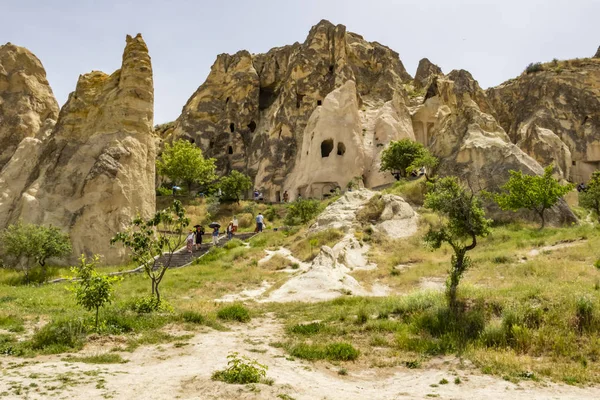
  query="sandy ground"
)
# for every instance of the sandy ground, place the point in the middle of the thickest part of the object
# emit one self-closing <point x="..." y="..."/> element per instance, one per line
<point x="182" y="370"/>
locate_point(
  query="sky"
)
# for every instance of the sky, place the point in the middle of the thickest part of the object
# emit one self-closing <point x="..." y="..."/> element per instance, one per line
<point x="494" y="40"/>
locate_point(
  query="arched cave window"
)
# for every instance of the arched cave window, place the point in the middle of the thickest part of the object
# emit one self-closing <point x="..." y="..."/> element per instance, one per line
<point x="232" y="127"/>
<point x="227" y="100"/>
<point x="252" y="126"/>
<point x="326" y="147"/>
<point x="319" y="102"/>
<point x="230" y="150"/>
<point x="331" y="68"/>
<point x="341" y="149"/>
<point x="211" y="144"/>
<point x="192" y="141"/>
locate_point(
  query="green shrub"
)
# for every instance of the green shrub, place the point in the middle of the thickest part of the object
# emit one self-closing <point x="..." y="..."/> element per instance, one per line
<point x="241" y="370"/>
<point x="11" y="323"/>
<point x="232" y="244"/>
<point x="301" y="211"/>
<point x="234" y="312"/>
<point x="341" y="351"/>
<point x="193" y="317"/>
<point x="145" y="305"/>
<point x="60" y="335"/>
<point x="163" y="191"/>
<point x="584" y="314"/>
<point x="362" y="317"/>
<point x="534" y="67"/>
<point x="372" y="210"/>
<point x="597" y="264"/>
<point x="306" y="351"/>
<point x="106" y="358"/>
<point x="307" y="329"/>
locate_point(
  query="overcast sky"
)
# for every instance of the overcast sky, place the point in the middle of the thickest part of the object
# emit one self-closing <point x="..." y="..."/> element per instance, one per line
<point x="494" y="40"/>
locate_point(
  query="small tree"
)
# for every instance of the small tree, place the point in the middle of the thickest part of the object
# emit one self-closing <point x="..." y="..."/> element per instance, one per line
<point x="404" y="156"/>
<point x="153" y="242"/>
<point x="590" y="198"/>
<point x="29" y="244"/>
<point x="183" y="163"/>
<point x="463" y="220"/>
<point x="92" y="290"/>
<point x="234" y="184"/>
<point x="532" y="192"/>
<point x="301" y="211"/>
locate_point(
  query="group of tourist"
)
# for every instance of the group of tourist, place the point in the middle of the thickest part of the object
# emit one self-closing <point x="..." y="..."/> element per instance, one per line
<point x="258" y="196"/>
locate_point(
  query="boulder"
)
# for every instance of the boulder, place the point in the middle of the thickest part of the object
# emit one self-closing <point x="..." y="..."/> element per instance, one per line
<point x="425" y="71"/>
<point x="28" y="108"/>
<point x="96" y="171"/>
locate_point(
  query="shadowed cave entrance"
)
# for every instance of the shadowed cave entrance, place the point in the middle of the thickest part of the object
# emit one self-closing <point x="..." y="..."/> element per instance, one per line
<point x="326" y="147"/>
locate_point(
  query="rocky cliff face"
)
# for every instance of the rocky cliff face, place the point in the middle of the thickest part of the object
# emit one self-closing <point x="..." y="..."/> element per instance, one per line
<point x="554" y="115"/>
<point x="95" y="171"/>
<point x="27" y="105"/>
<point x="425" y="71"/>
<point x="253" y="111"/>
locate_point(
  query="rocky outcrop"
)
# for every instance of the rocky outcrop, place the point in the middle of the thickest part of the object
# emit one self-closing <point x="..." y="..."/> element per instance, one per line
<point x="28" y="108"/>
<point x="472" y="145"/>
<point x="253" y="111"/>
<point x="96" y="170"/>
<point x="563" y="101"/>
<point x="597" y="55"/>
<point x="425" y="71"/>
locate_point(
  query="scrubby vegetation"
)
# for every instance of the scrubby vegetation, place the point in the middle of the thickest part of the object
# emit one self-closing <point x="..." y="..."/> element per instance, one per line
<point x="241" y="370"/>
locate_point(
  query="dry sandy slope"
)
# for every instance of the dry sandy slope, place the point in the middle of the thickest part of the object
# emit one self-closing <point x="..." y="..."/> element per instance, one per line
<point x="169" y="372"/>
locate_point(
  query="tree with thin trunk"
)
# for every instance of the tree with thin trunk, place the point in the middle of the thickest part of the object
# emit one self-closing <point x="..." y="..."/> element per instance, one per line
<point x="153" y="242"/>
<point x="404" y="156"/>
<point x="589" y="198"/>
<point x="92" y="290"/>
<point x="462" y="220"/>
<point x="183" y="163"/>
<point x="234" y="184"/>
<point x="532" y="192"/>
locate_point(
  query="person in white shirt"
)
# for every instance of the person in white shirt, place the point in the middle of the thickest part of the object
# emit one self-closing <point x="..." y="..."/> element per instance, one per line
<point x="260" y="222"/>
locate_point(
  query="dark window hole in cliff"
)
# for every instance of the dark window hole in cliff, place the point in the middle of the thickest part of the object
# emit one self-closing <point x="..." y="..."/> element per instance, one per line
<point x="252" y="126"/>
<point x="278" y="196"/>
<point x="299" y="98"/>
<point x="266" y="97"/>
<point x="341" y="149"/>
<point x="211" y="144"/>
<point x="230" y="150"/>
<point x="319" y="102"/>
<point x="232" y="127"/>
<point x="326" y="147"/>
<point x="227" y="100"/>
<point x="573" y="163"/>
<point x="192" y="141"/>
<point x="331" y="69"/>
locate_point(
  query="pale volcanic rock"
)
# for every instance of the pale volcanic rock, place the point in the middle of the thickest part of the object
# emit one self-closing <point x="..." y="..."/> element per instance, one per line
<point x="96" y="172"/>
<point x="425" y="71"/>
<point x="27" y="105"/>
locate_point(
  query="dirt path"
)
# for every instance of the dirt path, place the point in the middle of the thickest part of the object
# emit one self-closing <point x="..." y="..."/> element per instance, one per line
<point x="182" y="370"/>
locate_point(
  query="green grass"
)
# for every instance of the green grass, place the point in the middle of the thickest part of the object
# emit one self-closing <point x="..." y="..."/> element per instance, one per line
<point x="337" y="351"/>
<point x="106" y="358"/>
<point x="234" y="312"/>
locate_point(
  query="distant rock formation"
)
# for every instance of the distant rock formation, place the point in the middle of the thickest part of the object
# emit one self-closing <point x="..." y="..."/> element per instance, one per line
<point x="549" y="112"/>
<point x="597" y="55"/>
<point x="425" y="71"/>
<point x="28" y="108"/>
<point x="95" y="172"/>
<point x="253" y="112"/>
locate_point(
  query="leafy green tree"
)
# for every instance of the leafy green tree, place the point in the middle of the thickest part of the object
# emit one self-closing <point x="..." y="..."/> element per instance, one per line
<point x="404" y="156"/>
<point x="153" y="242"/>
<point x="29" y="244"/>
<point x="92" y="290"/>
<point x="532" y="192"/>
<point x="234" y="184"/>
<point x="183" y="163"/>
<point x="590" y="199"/>
<point x="462" y="221"/>
<point x="301" y="211"/>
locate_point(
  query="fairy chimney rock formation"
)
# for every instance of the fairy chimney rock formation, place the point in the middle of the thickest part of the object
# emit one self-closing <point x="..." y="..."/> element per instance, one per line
<point x="96" y="171"/>
<point x="425" y="71"/>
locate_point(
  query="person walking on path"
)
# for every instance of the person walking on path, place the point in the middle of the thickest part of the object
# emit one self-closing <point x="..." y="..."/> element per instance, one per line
<point x="199" y="232"/>
<point x="189" y="242"/>
<point x="260" y="222"/>
<point x="230" y="230"/>
<point x="235" y="224"/>
<point x="215" y="235"/>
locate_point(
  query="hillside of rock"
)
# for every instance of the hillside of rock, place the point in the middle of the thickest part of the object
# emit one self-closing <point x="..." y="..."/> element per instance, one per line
<point x="28" y="108"/>
<point x="95" y="170"/>
<point x="554" y="115"/>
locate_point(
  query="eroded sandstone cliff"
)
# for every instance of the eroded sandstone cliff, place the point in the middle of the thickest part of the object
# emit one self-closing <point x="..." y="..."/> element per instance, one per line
<point x="28" y="108"/>
<point x="95" y="171"/>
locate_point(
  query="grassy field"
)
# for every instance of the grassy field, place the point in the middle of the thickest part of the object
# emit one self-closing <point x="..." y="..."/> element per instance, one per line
<point x="525" y="314"/>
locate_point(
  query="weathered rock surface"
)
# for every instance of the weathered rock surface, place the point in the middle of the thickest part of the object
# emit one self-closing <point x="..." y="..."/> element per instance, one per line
<point x="597" y="55"/>
<point x="472" y="145"/>
<point x="27" y="105"/>
<point x="254" y="111"/>
<point x="96" y="170"/>
<point x="425" y="71"/>
<point x="563" y="100"/>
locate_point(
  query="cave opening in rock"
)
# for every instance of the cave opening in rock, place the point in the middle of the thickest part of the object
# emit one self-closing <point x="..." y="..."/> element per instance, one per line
<point x="319" y="102"/>
<point x="252" y="126"/>
<point x="230" y="150"/>
<point x="326" y="147"/>
<point x="266" y="96"/>
<point x="331" y="68"/>
<point x="227" y="100"/>
<point x="341" y="149"/>
<point x="192" y="141"/>
<point x="299" y="98"/>
<point x="232" y="127"/>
